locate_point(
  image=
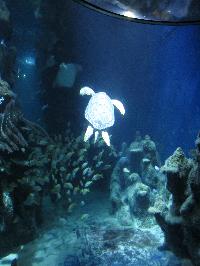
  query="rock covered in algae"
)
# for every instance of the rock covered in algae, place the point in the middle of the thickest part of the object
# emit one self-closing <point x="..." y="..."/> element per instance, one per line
<point x="136" y="182"/>
<point x="181" y="222"/>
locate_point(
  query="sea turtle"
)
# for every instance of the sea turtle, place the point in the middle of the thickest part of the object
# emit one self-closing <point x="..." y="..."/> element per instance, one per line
<point x="100" y="113"/>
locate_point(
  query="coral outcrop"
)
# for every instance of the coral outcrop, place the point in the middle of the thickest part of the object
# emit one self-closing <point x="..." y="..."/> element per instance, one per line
<point x="11" y="121"/>
<point x="181" y="223"/>
<point x="136" y="181"/>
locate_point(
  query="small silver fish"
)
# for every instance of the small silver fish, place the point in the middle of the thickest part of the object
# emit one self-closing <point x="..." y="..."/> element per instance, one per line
<point x="99" y="164"/>
<point x="75" y="171"/>
<point x="95" y="158"/>
<point x="88" y="183"/>
<point x="97" y="177"/>
<point x="7" y="202"/>
<point x="85" y="170"/>
<point x="126" y="170"/>
<point x="90" y="172"/>
<point x="68" y="176"/>
<point x="85" y="216"/>
<point x="156" y="168"/>
<point x="69" y="155"/>
<point x="44" y="107"/>
<point x="68" y="185"/>
<point x="106" y="167"/>
<point x="82" y="203"/>
<point x="71" y="206"/>
<point x="84" y="165"/>
<point x="84" y="191"/>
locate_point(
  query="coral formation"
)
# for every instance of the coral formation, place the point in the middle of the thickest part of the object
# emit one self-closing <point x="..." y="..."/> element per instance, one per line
<point x="180" y="223"/>
<point x="13" y="125"/>
<point x="135" y="183"/>
<point x="11" y="121"/>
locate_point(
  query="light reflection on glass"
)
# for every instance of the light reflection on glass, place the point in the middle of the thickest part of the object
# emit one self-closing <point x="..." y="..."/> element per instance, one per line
<point x="171" y="11"/>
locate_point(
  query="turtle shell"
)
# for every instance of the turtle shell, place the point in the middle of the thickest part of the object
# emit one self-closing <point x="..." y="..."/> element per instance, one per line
<point x="100" y="111"/>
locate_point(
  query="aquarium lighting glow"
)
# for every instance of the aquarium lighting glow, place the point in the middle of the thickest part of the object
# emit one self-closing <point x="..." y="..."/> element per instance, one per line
<point x="130" y="14"/>
<point x="152" y="11"/>
<point x="30" y="61"/>
<point x="2" y="42"/>
<point x="1" y="100"/>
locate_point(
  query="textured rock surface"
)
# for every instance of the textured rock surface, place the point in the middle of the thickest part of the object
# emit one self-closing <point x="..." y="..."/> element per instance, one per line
<point x="135" y="183"/>
<point x="97" y="241"/>
<point x="181" y="223"/>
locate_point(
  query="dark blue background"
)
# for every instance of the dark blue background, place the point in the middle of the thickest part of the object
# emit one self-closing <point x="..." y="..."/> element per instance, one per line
<point x="153" y="69"/>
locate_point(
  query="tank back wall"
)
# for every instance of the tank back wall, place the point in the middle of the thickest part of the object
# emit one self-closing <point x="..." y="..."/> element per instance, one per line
<point x="153" y="69"/>
<point x="99" y="137"/>
<point x="26" y="34"/>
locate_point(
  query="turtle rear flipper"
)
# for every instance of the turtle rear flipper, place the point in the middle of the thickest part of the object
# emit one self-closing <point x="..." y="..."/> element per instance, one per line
<point x="106" y="137"/>
<point x="88" y="133"/>
<point x="96" y="134"/>
<point x="119" y="106"/>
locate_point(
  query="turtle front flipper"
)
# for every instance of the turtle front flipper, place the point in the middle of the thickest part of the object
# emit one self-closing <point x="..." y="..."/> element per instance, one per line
<point x="88" y="133"/>
<point x="119" y="106"/>
<point x="106" y="137"/>
<point x="86" y="91"/>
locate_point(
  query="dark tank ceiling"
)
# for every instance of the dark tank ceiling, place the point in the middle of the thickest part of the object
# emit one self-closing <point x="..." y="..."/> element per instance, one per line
<point x="154" y="11"/>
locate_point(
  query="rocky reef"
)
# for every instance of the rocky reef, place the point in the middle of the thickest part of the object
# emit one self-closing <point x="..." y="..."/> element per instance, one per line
<point x="136" y="182"/>
<point x="180" y="223"/>
<point x="36" y="168"/>
<point x="15" y="145"/>
<point x="12" y="122"/>
<point x="141" y="190"/>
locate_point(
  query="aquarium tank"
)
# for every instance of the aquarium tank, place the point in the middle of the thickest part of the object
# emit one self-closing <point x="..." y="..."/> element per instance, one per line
<point x="99" y="132"/>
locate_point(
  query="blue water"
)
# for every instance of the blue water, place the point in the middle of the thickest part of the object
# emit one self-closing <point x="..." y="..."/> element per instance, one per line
<point x="26" y="34"/>
<point x="152" y="69"/>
